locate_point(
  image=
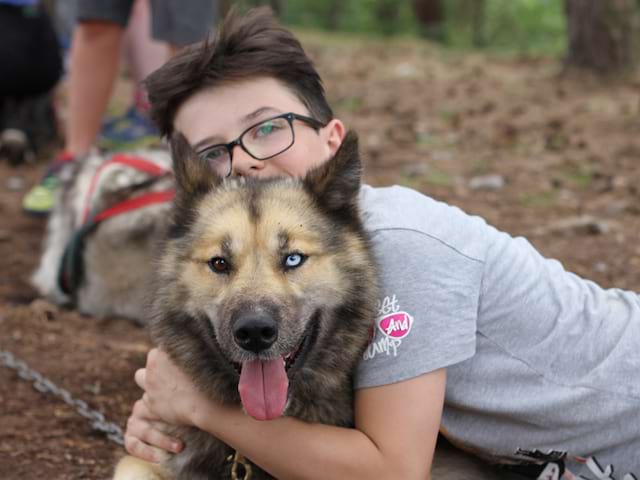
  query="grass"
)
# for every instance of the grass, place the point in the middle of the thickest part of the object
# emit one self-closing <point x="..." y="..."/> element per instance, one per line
<point x="512" y="27"/>
<point x="545" y="199"/>
<point x="434" y="177"/>
<point x="581" y="176"/>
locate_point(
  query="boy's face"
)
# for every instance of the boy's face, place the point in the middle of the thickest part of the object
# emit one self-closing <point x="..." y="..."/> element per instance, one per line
<point x="218" y="115"/>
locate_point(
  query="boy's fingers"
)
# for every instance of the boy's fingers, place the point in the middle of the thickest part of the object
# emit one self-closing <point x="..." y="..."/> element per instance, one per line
<point x="151" y="433"/>
<point x="138" y="448"/>
<point x="140" y="410"/>
<point x="154" y="437"/>
<point x="140" y="377"/>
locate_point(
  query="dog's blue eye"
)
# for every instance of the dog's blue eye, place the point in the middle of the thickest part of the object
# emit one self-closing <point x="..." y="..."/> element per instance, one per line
<point x="293" y="260"/>
<point x="219" y="265"/>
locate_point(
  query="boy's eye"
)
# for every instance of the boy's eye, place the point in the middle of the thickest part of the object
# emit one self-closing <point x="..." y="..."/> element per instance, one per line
<point x="293" y="260"/>
<point x="265" y="129"/>
<point x="219" y="265"/>
<point x="214" y="154"/>
<point x="269" y="128"/>
<point x="218" y="159"/>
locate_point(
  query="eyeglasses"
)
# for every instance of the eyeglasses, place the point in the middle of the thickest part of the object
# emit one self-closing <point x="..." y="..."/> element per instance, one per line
<point x="261" y="141"/>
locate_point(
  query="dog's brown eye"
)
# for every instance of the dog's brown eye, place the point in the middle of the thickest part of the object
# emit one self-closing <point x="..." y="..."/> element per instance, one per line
<point x="219" y="265"/>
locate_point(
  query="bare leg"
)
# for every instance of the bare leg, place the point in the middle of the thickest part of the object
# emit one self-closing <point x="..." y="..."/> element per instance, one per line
<point x="144" y="54"/>
<point x="95" y="54"/>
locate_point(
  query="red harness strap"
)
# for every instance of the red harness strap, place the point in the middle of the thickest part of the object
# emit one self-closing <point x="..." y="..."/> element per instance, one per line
<point x="71" y="268"/>
<point x="138" y="163"/>
<point x="135" y="203"/>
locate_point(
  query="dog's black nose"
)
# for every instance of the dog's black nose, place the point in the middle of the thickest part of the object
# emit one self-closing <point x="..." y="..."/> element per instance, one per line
<point x="255" y="332"/>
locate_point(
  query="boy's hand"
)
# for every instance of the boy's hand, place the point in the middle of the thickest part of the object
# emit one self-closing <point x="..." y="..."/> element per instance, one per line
<point x="170" y="398"/>
<point x="145" y="436"/>
<point x="169" y="394"/>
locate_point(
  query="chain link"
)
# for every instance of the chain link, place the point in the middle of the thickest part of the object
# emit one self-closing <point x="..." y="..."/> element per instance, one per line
<point x="44" y="385"/>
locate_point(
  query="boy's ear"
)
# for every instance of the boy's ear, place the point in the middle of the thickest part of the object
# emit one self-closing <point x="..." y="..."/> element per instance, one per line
<point x="336" y="183"/>
<point x="194" y="177"/>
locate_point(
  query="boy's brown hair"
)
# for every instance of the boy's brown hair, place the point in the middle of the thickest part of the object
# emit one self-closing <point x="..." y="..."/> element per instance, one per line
<point x="249" y="46"/>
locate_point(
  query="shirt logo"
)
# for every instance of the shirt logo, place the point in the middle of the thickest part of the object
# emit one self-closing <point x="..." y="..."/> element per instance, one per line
<point x="394" y="324"/>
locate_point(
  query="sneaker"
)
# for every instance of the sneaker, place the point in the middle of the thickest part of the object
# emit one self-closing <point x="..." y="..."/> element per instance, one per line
<point x="40" y="199"/>
<point x="132" y="130"/>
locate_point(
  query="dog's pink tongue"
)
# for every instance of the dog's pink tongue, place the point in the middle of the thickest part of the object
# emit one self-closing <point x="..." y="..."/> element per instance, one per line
<point x="263" y="388"/>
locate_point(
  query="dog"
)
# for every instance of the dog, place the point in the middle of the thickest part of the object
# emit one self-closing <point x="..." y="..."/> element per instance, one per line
<point x="272" y="278"/>
<point x="98" y="252"/>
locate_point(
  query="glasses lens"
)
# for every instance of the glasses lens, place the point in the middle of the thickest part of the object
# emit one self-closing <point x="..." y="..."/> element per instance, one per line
<point x="268" y="138"/>
<point x="219" y="159"/>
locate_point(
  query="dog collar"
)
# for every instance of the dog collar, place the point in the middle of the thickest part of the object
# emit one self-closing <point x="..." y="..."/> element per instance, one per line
<point x="238" y="460"/>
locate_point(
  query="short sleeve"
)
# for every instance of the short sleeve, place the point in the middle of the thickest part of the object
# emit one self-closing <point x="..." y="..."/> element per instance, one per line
<point x="427" y="311"/>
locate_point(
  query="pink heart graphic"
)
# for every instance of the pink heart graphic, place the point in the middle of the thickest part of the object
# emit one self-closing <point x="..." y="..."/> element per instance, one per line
<point x="396" y="325"/>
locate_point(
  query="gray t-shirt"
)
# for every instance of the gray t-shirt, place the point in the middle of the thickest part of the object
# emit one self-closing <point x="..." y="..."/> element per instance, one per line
<point x="543" y="367"/>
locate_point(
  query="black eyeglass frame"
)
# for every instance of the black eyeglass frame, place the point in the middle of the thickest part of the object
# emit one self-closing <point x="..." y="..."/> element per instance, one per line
<point x="290" y="117"/>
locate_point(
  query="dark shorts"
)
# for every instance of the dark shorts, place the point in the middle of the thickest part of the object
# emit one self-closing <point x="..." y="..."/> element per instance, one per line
<point x="178" y="22"/>
<point x="31" y="62"/>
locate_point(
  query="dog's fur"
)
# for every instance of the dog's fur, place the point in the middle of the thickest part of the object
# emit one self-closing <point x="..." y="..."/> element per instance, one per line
<point x="118" y="255"/>
<point x="324" y="309"/>
<point x="326" y="305"/>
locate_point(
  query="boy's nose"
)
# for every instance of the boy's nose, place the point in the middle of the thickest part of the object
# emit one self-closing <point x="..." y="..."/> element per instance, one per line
<point x="244" y="165"/>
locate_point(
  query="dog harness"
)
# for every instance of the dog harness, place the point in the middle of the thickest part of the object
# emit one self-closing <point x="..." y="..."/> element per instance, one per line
<point x="71" y="269"/>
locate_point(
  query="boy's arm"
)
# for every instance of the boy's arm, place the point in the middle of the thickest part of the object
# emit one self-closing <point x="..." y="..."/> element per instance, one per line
<point x="395" y="434"/>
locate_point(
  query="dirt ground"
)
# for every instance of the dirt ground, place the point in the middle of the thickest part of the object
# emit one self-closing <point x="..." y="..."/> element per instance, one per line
<point x="537" y="153"/>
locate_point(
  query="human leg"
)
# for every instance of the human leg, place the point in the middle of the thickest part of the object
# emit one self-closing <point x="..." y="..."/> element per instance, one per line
<point x="143" y="55"/>
<point x="95" y="53"/>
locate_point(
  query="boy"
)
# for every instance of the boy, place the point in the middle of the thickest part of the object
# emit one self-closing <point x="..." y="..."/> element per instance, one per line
<point x="503" y="351"/>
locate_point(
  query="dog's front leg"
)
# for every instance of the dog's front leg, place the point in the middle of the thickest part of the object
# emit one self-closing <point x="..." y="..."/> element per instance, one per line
<point x="131" y="468"/>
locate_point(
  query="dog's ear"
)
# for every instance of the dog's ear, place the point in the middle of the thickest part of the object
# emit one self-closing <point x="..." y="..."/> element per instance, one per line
<point x="336" y="183"/>
<point x="194" y="177"/>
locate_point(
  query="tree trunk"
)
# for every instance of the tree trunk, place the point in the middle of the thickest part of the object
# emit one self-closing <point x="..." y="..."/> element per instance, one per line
<point x="334" y="15"/>
<point x="430" y="17"/>
<point x="603" y="36"/>
<point x="387" y="13"/>
<point x="478" y="17"/>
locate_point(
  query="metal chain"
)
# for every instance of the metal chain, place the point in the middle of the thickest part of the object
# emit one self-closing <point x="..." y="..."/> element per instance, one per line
<point x="44" y="385"/>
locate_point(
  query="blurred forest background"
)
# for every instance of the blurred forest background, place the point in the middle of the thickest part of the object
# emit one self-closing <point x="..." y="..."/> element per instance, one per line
<point x="521" y="26"/>
<point x="603" y="35"/>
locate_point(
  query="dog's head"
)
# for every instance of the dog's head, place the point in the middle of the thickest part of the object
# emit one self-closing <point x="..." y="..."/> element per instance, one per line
<point x="261" y="279"/>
